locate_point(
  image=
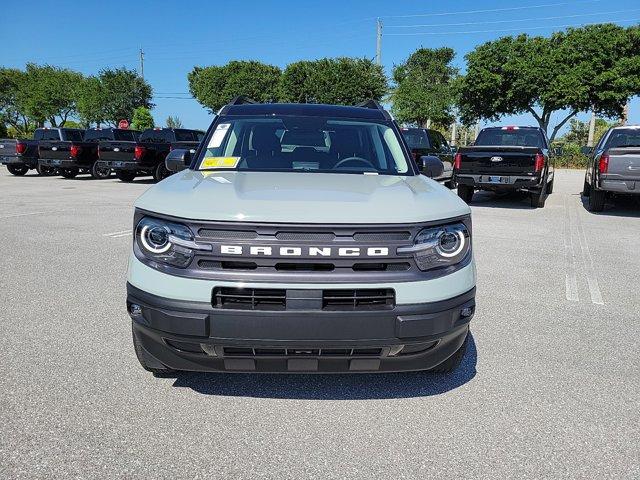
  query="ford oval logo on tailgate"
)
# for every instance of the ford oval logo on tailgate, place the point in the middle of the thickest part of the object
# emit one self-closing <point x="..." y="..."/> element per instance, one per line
<point x="496" y="159"/>
<point x="116" y="149"/>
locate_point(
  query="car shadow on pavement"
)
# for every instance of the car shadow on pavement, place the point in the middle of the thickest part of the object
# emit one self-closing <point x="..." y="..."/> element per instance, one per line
<point x="625" y="206"/>
<point x="513" y="200"/>
<point x="332" y="386"/>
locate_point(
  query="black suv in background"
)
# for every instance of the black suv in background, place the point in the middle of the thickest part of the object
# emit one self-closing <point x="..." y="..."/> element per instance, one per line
<point x="22" y="155"/>
<point x="430" y="143"/>
<point x="146" y="155"/>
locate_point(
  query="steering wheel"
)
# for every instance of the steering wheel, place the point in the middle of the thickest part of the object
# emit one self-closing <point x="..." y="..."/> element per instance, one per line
<point x="356" y="160"/>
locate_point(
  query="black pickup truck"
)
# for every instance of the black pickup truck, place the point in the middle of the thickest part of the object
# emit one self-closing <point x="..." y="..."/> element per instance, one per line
<point x="506" y="159"/>
<point x="22" y="155"/>
<point x="614" y="168"/>
<point x="74" y="156"/>
<point x="146" y="155"/>
<point x="424" y="142"/>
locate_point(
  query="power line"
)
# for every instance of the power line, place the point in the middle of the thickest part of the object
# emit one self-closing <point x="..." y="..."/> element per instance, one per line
<point x="515" y="20"/>
<point x="520" y="29"/>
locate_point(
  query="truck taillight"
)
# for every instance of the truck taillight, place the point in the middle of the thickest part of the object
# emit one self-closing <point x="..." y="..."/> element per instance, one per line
<point x="75" y="150"/>
<point x="138" y="152"/>
<point x="457" y="162"/>
<point x="539" y="165"/>
<point x="603" y="165"/>
<point x="21" y="148"/>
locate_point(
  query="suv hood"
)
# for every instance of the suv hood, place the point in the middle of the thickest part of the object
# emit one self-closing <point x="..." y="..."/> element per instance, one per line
<point x="290" y="197"/>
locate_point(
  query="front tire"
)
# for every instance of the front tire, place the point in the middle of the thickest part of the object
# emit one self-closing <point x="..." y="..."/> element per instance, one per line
<point x="125" y="176"/>
<point x="69" y="172"/>
<point x="453" y="362"/>
<point x="465" y="192"/>
<point x="596" y="200"/>
<point x="18" y="170"/>
<point x="147" y="361"/>
<point x="99" y="171"/>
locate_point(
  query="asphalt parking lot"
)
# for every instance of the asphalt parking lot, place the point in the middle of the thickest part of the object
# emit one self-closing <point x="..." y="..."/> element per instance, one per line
<point x="550" y="387"/>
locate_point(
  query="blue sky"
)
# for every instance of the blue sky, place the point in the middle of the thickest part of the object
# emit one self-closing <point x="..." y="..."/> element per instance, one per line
<point x="175" y="36"/>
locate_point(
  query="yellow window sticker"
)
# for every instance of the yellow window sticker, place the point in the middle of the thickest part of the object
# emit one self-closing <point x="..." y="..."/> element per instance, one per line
<point x="220" y="162"/>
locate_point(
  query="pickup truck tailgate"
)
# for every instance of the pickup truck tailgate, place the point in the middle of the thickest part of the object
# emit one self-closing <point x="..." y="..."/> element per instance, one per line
<point x="499" y="160"/>
<point x="624" y="163"/>
<point x="50" y="149"/>
<point x="113" y="151"/>
<point x="8" y="148"/>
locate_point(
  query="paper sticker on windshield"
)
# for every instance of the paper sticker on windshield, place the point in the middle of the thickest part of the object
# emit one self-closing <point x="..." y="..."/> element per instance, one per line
<point x="220" y="162"/>
<point x="218" y="135"/>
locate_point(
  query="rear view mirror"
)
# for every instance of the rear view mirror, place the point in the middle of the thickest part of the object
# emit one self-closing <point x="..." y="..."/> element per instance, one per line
<point x="178" y="160"/>
<point x="432" y="167"/>
<point x="586" y="150"/>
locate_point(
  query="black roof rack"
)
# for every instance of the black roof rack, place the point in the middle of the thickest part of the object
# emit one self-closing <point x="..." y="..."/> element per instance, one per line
<point x="371" y="104"/>
<point x="239" y="100"/>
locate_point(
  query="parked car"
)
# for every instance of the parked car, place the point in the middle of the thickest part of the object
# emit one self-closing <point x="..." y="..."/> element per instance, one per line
<point x="146" y="155"/>
<point x="423" y="143"/>
<point x="273" y="251"/>
<point x="506" y="159"/>
<point x="22" y="155"/>
<point x="71" y="157"/>
<point x="614" y="168"/>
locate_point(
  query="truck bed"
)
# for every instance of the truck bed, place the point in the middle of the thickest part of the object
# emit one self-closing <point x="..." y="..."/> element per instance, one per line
<point x="498" y="160"/>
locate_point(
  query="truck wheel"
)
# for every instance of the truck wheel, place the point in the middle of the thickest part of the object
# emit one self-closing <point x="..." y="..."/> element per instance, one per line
<point x="596" y="200"/>
<point x="586" y="188"/>
<point x="450" y="184"/>
<point x="100" y="171"/>
<point x="148" y="362"/>
<point x="44" y="171"/>
<point x="18" y="170"/>
<point x="465" y="192"/>
<point x="538" y="199"/>
<point x="550" y="186"/>
<point x="160" y="172"/>
<point x="451" y="363"/>
<point x="125" y="176"/>
<point x="69" y="172"/>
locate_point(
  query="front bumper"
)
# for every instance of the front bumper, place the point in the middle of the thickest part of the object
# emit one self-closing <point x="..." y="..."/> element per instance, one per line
<point x="174" y="332"/>
<point x="508" y="182"/>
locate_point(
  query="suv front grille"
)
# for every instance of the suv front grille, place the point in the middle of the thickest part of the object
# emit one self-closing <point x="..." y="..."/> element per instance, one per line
<point x="359" y="299"/>
<point x="249" y="298"/>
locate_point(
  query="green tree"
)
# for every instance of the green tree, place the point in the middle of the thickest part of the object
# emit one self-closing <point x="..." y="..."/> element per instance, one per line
<point x="215" y="86"/>
<point x="424" y="87"/>
<point x="340" y="81"/>
<point x="142" y="119"/>
<point x="121" y="92"/>
<point x="49" y="93"/>
<point x="173" y="122"/>
<point x="12" y="109"/>
<point x="578" y="133"/>
<point x="91" y="102"/>
<point x="593" y="68"/>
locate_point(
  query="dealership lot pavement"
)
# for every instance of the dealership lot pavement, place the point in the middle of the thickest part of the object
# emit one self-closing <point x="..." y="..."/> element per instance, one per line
<point x="549" y="388"/>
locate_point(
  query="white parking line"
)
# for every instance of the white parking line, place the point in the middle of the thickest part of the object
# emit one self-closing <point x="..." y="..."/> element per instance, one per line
<point x="122" y="233"/>
<point x="592" y="279"/>
<point x="571" y="281"/>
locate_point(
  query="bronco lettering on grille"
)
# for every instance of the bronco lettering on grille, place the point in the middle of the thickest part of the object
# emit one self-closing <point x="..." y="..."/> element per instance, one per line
<point x="304" y="251"/>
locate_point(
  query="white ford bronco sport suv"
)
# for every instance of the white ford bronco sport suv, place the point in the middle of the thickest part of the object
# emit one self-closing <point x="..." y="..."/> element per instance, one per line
<point x="300" y="238"/>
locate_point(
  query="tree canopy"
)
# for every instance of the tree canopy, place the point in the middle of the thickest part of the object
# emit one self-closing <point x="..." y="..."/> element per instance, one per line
<point x="215" y="86"/>
<point x="340" y="81"/>
<point x="12" y="108"/>
<point x="424" y="87"/>
<point x="142" y="119"/>
<point x="596" y="67"/>
<point x="173" y="122"/>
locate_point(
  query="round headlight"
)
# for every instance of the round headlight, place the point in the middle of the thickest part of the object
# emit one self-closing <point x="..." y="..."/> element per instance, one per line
<point x="155" y="238"/>
<point x="450" y="243"/>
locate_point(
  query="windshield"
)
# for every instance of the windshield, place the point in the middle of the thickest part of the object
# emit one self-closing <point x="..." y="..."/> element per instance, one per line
<point x="304" y="144"/>
<point x="516" y="137"/>
<point x="415" y="137"/>
<point x="627" y="137"/>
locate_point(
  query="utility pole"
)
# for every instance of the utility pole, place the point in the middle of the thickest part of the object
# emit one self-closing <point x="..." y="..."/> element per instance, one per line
<point x="453" y="133"/>
<point x="378" y="41"/>
<point x="141" y="63"/>
<point x="625" y="114"/>
<point x="592" y="129"/>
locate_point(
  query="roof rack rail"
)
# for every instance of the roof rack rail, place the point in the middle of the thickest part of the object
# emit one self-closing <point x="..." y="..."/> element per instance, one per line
<point x="370" y="104"/>
<point x="241" y="100"/>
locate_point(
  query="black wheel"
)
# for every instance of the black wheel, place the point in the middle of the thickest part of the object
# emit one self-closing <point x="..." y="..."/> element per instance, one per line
<point x="451" y="363"/>
<point x="69" y="172"/>
<point x="100" y="171"/>
<point x="44" y="170"/>
<point x="465" y="192"/>
<point x="160" y="172"/>
<point x="538" y="199"/>
<point x="147" y="361"/>
<point x="451" y="184"/>
<point x="586" y="188"/>
<point x="550" y="186"/>
<point x="18" y="170"/>
<point x="125" y="176"/>
<point x="596" y="200"/>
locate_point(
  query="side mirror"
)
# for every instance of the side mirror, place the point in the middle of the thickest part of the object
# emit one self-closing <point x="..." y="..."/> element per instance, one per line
<point x="177" y="160"/>
<point x="432" y="167"/>
<point x="586" y="150"/>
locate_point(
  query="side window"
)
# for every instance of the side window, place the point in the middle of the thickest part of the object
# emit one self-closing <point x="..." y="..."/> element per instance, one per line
<point x="50" y="134"/>
<point x="37" y="135"/>
<point x="437" y="140"/>
<point x="147" y="136"/>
